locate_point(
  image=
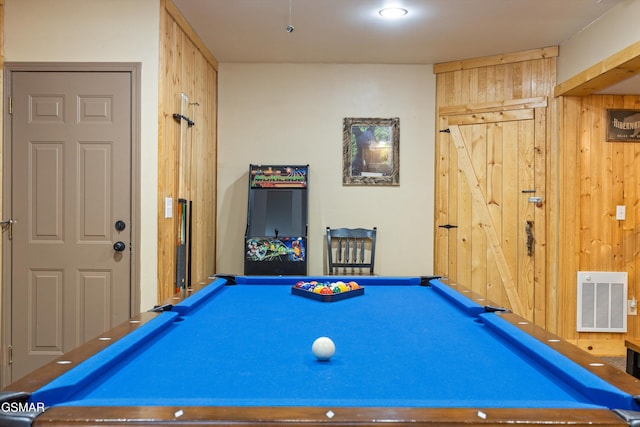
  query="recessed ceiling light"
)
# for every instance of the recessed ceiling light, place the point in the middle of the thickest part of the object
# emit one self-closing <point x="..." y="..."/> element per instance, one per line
<point x="393" y="12"/>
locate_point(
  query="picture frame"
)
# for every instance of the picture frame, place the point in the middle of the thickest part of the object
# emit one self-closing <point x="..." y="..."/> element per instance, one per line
<point x="371" y="151"/>
<point x="623" y="125"/>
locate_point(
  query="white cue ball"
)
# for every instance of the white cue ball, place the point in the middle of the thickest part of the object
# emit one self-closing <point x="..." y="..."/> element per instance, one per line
<point x="323" y="348"/>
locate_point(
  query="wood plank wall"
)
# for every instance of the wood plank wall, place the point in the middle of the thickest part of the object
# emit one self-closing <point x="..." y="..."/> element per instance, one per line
<point x="596" y="176"/>
<point x="586" y="177"/>
<point x="498" y="80"/>
<point x="186" y="66"/>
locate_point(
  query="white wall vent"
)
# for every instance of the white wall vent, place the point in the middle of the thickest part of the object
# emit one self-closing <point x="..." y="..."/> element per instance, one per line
<point x="602" y="301"/>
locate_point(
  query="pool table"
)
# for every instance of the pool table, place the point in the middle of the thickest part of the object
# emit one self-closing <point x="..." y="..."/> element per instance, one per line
<point x="409" y="350"/>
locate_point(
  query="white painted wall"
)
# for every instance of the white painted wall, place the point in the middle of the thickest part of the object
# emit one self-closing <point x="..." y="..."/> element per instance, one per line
<point x="613" y="32"/>
<point x="102" y="31"/>
<point x="292" y="114"/>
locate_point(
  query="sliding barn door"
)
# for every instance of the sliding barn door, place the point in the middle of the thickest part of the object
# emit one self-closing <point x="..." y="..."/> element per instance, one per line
<point x="490" y="222"/>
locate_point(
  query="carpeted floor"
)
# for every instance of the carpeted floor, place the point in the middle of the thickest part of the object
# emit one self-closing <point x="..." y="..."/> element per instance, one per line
<point x="618" y="362"/>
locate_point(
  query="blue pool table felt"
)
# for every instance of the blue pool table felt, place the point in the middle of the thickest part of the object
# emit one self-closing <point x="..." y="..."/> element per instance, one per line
<point x="399" y="344"/>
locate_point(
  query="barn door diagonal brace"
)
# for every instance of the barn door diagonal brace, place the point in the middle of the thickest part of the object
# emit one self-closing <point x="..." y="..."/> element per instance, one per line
<point x="480" y="203"/>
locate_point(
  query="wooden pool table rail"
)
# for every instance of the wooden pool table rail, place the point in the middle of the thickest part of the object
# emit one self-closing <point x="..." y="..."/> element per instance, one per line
<point x="317" y="416"/>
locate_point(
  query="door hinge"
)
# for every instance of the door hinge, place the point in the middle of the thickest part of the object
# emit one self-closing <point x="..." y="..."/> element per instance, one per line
<point x="10" y="105"/>
<point x="10" y="355"/>
<point x="448" y="226"/>
<point x="8" y="225"/>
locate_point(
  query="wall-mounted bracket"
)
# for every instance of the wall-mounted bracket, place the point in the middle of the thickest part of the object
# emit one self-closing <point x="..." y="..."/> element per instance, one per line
<point x="179" y="117"/>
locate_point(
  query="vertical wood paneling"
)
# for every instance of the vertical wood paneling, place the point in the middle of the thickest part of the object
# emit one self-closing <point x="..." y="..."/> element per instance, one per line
<point x="210" y="183"/>
<point x="630" y="238"/>
<point x="168" y="137"/>
<point x="544" y="295"/>
<point x="203" y="159"/>
<point x="510" y="182"/>
<point x="479" y="248"/>
<point x="464" y="221"/>
<point x="569" y="200"/>
<point x="488" y="80"/>
<point x="526" y="210"/>
<point x="442" y="176"/>
<point x="186" y="68"/>
<point x="548" y="280"/>
<point x="605" y="175"/>
<point x="495" y="197"/>
<point x="617" y="183"/>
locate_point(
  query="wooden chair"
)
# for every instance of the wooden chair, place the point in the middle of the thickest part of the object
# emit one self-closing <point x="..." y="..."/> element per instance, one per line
<point x="351" y="250"/>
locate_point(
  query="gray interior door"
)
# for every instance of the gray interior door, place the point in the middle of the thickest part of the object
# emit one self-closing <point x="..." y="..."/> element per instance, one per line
<point x="71" y="202"/>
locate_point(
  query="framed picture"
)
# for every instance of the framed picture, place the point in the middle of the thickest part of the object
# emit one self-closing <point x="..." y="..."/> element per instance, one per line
<point x="371" y="151"/>
<point x="623" y="125"/>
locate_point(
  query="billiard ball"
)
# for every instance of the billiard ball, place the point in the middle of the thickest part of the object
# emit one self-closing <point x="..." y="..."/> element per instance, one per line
<point x="323" y="348"/>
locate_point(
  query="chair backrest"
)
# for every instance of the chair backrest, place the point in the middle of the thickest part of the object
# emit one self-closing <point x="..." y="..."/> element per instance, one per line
<point x="351" y="250"/>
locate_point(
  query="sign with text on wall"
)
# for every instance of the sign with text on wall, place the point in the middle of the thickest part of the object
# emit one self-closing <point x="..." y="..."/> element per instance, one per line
<point x="623" y="125"/>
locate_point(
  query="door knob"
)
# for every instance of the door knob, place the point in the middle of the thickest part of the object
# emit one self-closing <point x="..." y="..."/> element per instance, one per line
<point x="119" y="246"/>
<point x="120" y="225"/>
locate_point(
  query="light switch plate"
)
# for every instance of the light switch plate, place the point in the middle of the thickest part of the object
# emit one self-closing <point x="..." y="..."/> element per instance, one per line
<point x="168" y="207"/>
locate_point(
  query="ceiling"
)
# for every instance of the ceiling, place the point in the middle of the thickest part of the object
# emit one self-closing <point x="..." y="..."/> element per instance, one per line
<point x="352" y="31"/>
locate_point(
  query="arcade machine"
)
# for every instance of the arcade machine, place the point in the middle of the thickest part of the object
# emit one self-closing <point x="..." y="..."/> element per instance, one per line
<point x="276" y="233"/>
